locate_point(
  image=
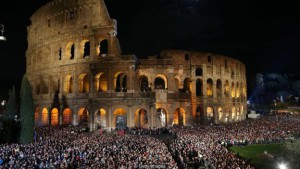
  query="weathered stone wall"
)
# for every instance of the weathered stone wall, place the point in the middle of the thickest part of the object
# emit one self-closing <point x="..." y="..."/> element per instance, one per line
<point x="74" y="60"/>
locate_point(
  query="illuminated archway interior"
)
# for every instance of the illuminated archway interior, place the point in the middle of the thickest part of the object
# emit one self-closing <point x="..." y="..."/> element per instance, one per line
<point x="120" y="119"/>
<point x="83" y="115"/>
<point x="100" y="118"/>
<point x="179" y="117"/>
<point x="141" y="118"/>
<point x="67" y="116"/>
<point x="54" y="117"/>
<point x="45" y="117"/>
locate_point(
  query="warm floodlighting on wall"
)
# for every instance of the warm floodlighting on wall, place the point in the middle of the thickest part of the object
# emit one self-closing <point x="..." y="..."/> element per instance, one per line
<point x="2" y="37"/>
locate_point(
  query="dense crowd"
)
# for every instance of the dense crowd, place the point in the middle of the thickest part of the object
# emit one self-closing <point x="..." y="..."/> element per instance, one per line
<point x="192" y="146"/>
<point x="71" y="148"/>
<point x="206" y="145"/>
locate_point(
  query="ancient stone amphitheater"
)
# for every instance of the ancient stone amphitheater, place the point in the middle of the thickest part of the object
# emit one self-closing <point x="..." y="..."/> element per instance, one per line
<point x="79" y="76"/>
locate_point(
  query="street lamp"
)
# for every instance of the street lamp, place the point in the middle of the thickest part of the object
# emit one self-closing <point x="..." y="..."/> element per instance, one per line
<point x="2" y="37"/>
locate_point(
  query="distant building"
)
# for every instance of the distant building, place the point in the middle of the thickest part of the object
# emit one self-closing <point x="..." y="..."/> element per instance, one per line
<point x="272" y="87"/>
<point x="79" y="76"/>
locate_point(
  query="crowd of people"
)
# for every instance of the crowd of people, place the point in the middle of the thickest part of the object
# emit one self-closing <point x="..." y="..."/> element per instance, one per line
<point x="207" y="145"/>
<point x="71" y="148"/>
<point x="195" y="146"/>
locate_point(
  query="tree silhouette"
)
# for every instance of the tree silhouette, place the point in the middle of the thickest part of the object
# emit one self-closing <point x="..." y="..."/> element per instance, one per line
<point x="26" y="112"/>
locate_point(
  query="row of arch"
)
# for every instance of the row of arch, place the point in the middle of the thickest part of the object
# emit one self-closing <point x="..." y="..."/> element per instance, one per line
<point x="99" y="119"/>
<point x="101" y="83"/>
<point x="70" y="52"/>
<point x="84" y="49"/>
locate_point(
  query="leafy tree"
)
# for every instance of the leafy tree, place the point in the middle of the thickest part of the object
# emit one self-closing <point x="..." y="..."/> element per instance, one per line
<point x="26" y="112"/>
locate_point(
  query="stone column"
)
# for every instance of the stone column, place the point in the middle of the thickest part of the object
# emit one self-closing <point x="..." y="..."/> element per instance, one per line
<point x="91" y="86"/>
<point x="75" y="82"/>
<point x="110" y="117"/>
<point x="130" y="114"/>
<point x="74" y="115"/>
<point x="110" y="81"/>
<point x="150" y="120"/>
<point x="60" y="121"/>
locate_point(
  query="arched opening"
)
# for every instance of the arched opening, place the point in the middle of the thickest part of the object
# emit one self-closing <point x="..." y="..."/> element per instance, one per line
<point x="68" y="84"/>
<point x="54" y="117"/>
<point x="226" y="91"/>
<point x="237" y="113"/>
<point x="237" y="90"/>
<point x="210" y="114"/>
<point x="187" y="85"/>
<point x="209" y="88"/>
<point x="59" y="53"/>
<point x="233" y="114"/>
<point x="219" y="88"/>
<point x="83" y="116"/>
<point x="101" y="82"/>
<point x="159" y="83"/>
<point x="83" y="81"/>
<point x="232" y="91"/>
<point x="199" y="71"/>
<point x="120" y="119"/>
<point x="121" y="82"/>
<point x="103" y="48"/>
<point x="200" y="115"/>
<point x="163" y="116"/>
<point x="199" y="87"/>
<point x="86" y="50"/>
<point x="45" y="117"/>
<point x="179" y="117"/>
<point x="221" y="114"/>
<point x="100" y="119"/>
<point x="67" y="117"/>
<point x="144" y="84"/>
<point x="141" y="118"/>
<point x="36" y="116"/>
<point x="70" y="50"/>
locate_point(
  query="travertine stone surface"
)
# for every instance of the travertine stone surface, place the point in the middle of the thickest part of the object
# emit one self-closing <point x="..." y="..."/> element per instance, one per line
<point x="79" y="76"/>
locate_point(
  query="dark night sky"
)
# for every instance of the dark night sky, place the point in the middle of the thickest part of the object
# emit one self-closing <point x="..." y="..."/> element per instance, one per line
<point x="262" y="35"/>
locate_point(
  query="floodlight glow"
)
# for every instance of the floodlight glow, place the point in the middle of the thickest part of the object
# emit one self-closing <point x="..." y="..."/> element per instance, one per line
<point x="282" y="166"/>
<point x="2" y="37"/>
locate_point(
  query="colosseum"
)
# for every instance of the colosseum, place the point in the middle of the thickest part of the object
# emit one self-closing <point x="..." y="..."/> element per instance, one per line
<point x="79" y="75"/>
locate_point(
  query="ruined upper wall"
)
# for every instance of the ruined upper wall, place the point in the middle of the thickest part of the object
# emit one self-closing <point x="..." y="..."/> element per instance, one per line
<point x="63" y="16"/>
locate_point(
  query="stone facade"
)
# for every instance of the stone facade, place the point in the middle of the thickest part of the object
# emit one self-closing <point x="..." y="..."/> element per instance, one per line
<point x="79" y="75"/>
